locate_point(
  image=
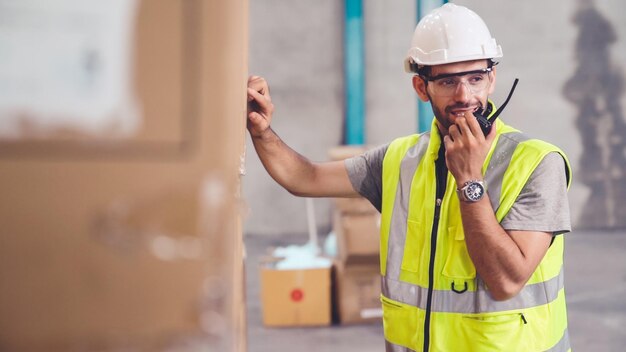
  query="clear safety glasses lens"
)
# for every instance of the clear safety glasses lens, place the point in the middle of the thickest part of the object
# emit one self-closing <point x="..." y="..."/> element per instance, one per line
<point x="447" y="84"/>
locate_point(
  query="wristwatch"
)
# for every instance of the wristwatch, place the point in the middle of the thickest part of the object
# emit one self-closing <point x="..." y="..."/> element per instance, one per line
<point x="472" y="191"/>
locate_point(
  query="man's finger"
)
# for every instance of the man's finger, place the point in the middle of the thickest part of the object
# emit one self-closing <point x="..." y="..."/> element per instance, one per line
<point x="463" y="126"/>
<point x="454" y="132"/>
<point x="474" y="127"/>
<point x="260" y="85"/>
<point x="255" y="118"/>
<point x="260" y="99"/>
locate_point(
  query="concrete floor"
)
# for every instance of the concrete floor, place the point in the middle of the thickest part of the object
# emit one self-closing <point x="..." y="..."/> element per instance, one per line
<point x="595" y="285"/>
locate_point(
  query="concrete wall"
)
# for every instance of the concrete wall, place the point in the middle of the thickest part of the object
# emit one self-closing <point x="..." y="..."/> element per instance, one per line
<point x="297" y="46"/>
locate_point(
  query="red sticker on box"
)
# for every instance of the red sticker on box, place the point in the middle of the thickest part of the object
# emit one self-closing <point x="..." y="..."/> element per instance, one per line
<point x="297" y="295"/>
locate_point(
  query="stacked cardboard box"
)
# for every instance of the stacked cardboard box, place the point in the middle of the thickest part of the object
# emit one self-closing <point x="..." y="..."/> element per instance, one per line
<point x="295" y="297"/>
<point x="357" y="293"/>
<point x="356" y="223"/>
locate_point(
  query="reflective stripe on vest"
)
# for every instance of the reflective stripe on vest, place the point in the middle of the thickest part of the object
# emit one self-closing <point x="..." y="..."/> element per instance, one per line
<point x="472" y="302"/>
<point x="397" y="233"/>
<point x="498" y="164"/>
<point x="391" y="347"/>
<point x="404" y="290"/>
<point x="562" y="346"/>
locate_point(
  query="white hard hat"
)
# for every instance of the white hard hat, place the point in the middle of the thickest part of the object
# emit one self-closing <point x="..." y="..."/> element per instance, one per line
<point x="450" y="33"/>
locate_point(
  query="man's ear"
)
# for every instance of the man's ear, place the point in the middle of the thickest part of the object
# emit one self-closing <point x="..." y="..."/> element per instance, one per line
<point x="420" y="88"/>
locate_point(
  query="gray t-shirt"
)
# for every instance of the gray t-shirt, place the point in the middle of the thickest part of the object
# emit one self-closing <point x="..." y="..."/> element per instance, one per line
<point x="541" y="206"/>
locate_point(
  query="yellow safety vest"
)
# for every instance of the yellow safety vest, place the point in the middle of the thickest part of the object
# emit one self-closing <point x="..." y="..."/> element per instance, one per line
<point x="432" y="298"/>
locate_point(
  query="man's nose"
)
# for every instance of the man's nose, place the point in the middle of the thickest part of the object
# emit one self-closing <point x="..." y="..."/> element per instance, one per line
<point x="462" y="92"/>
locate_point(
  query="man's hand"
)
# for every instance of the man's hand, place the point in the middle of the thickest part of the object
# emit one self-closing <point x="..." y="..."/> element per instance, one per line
<point x="467" y="148"/>
<point x="260" y="107"/>
<point x="294" y="172"/>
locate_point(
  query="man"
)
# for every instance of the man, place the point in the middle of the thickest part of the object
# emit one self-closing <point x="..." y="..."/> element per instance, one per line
<point x="471" y="245"/>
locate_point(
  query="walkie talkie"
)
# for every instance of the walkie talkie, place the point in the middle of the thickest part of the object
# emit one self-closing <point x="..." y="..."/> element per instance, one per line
<point x="481" y="117"/>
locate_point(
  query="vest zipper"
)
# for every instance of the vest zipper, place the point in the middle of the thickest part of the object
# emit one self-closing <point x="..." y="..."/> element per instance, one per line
<point x="441" y="175"/>
<point x="431" y="272"/>
<point x="523" y="318"/>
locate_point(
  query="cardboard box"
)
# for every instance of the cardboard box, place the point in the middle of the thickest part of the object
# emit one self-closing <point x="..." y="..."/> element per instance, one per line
<point x="345" y="151"/>
<point x="350" y="205"/>
<point x="358" y="237"/>
<point x="298" y="297"/>
<point x="357" y="296"/>
<point x="357" y="205"/>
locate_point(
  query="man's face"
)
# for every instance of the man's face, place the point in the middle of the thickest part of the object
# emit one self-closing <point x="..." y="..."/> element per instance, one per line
<point x="455" y="96"/>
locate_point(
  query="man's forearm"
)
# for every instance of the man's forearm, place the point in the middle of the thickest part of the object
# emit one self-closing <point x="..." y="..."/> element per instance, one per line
<point x="287" y="167"/>
<point x="498" y="258"/>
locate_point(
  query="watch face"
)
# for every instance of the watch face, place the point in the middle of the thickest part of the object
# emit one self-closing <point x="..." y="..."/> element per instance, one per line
<point x="474" y="191"/>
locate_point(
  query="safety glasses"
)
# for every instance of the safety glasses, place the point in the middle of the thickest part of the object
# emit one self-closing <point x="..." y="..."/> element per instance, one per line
<point x="446" y="84"/>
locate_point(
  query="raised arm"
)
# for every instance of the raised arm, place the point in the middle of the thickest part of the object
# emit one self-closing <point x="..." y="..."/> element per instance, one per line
<point x="294" y="172"/>
<point x="505" y="260"/>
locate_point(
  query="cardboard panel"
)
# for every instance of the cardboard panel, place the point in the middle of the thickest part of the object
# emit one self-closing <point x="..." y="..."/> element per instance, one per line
<point x="136" y="244"/>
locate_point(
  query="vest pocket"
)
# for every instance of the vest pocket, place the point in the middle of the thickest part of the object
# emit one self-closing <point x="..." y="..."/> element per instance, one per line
<point x="400" y="323"/>
<point x="414" y="248"/>
<point x="458" y="266"/>
<point x="499" y="332"/>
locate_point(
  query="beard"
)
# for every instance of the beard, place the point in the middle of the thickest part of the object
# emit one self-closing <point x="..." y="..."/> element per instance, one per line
<point x="444" y="116"/>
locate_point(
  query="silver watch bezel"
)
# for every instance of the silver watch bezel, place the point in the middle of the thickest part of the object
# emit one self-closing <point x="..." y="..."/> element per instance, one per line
<point x="464" y="192"/>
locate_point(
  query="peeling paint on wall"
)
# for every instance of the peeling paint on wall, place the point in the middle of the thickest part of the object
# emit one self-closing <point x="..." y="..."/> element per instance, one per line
<point x="595" y="90"/>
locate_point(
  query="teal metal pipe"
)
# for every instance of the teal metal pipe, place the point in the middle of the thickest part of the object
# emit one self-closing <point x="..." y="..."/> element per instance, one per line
<point x="354" y="68"/>
<point x="424" y="110"/>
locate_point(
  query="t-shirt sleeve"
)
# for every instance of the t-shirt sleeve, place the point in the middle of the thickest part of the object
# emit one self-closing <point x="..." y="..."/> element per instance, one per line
<point x="542" y="205"/>
<point x="366" y="174"/>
